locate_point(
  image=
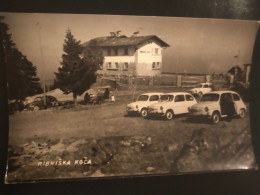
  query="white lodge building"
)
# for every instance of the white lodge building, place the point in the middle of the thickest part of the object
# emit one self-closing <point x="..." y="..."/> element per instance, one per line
<point x="130" y="56"/>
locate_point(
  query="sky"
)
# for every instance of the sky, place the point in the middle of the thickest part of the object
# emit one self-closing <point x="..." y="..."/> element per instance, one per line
<point x="197" y="45"/>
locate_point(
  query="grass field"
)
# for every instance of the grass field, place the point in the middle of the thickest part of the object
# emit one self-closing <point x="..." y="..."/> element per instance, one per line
<point x="109" y="143"/>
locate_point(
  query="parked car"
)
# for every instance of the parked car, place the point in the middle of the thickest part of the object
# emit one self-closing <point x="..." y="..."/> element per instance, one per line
<point x="218" y="104"/>
<point x="15" y="105"/>
<point x="172" y="104"/>
<point x="142" y="102"/>
<point x="202" y="88"/>
<point x="38" y="103"/>
<point x="96" y="95"/>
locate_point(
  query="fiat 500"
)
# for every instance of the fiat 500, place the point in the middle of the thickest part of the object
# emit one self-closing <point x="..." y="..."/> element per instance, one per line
<point x="172" y="104"/>
<point x="201" y="89"/>
<point x="142" y="102"/>
<point x="218" y="104"/>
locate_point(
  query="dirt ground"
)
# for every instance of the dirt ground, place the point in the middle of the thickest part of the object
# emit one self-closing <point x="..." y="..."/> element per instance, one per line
<point x="100" y="140"/>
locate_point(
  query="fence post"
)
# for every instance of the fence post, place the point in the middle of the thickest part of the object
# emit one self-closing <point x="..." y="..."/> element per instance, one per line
<point x="231" y="79"/>
<point x="208" y="78"/>
<point x="151" y="81"/>
<point x="178" y="80"/>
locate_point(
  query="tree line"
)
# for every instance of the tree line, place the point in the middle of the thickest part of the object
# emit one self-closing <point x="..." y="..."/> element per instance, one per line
<point x="22" y="80"/>
<point x="76" y="74"/>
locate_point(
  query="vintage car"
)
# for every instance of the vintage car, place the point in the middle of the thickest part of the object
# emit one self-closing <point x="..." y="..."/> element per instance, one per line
<point x="15" y="105"/>
<point x="202" y="88"/>
<point x="38" y="103"/>
<point x="142" y="102"/>
<point x="172" y="104"/>
<point x="218" y="104"/>
<point x="96" y="95"/>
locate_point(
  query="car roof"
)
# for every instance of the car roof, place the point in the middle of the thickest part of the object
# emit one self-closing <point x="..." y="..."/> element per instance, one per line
<point x="220" y="92"/>
<point x="153" y="93"/>
<point x="177" y="93"/>
<point x="206" y="83"/>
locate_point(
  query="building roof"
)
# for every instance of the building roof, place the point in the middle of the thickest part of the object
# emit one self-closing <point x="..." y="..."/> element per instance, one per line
<point x="113" y="41"/>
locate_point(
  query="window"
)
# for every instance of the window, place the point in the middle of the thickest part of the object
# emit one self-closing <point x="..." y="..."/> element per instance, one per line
<point x="116" y="52"/>
<point x="167" y="98"/>
<point x="226" y="97"/>
<point x="153" y="66"/>
<point x="112" y="66"/>
<point x="210" y="97"/>
<point x="156" y="51"/>
<point x="126" y="51"/>
<point x="199" y="86"/>
<point x="156" y="65"/>
<point x="206" y="86"/>
<point x="125" y="66"/>
<point x="179" y="98"/>
<point x="142" y="98"/>
<point x="189" y="98"/>
<point x="109" y="65"/>
<point x="154" y="98"/>
<point x="235" y="97"/>
<point x="116" y="65"/>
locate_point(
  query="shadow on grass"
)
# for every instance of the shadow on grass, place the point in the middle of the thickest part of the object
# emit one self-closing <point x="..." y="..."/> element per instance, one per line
<point x="197" y="120"/>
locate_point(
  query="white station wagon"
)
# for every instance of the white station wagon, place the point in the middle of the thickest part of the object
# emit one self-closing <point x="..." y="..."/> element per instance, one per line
<point x="218" y="104"/>
<point x="201" y="89"/>
<point x="142" y="102"/>
<point x="172" y="104"/>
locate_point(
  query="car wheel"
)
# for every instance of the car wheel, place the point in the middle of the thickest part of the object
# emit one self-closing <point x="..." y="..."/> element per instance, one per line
<point x="36" y="108"/>
<point x="169" y="115"/>
<point x="215" y="118"/>
<point x="242" y="113"/>
<point x="144" y="113"/>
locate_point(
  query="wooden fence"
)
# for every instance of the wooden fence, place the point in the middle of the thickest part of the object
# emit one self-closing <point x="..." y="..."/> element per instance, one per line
<point x="164" y="80"/>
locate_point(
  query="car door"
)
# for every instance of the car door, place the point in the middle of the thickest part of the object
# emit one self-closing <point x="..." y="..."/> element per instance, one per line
<point x="179" y="104"/>
<point x="237" y="102"/>
<point x="190" y="100"/>
<point x="153" y="99"/>
<point x="226" y="104"/>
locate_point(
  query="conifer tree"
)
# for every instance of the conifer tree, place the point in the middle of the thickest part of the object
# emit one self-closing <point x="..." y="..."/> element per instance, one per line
<point x="22" y="80"/>
<point x="78" y="67"/>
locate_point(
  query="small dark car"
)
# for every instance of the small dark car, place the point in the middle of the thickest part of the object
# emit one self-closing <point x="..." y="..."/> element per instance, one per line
<point x="96" y="95"/>
<point x="15" y="105"/>
<point x="38" y="103"/>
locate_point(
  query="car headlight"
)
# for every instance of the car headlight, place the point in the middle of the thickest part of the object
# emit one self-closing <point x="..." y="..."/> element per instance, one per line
<point x="206" y="109"/>
<point x="161" y="108"/>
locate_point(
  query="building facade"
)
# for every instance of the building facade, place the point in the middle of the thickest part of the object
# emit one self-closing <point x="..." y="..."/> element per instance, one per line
<point x="134" y="56"/>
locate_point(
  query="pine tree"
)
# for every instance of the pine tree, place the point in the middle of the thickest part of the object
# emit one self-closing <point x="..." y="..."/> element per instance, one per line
<point x="22" y="80"/>
<point x="78" y="67"/>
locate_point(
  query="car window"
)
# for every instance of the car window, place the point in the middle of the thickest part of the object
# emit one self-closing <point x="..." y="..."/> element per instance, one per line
<point x="167" y="98"/>
<point x="235" y="97"/>
<point x="199" y="86"/>
<point x="210" y="97"/>
<point x="206" y="86"/>
<point x="154" y="98"/>
<point x="179" y="98"/>
<point x="189" y="98"/>
<point x="226" y="97"/>
<point x="142" y="98"/>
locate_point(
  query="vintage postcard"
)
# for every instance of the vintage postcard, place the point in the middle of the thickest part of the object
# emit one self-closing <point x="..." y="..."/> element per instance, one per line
<point x="108" y="95"/>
